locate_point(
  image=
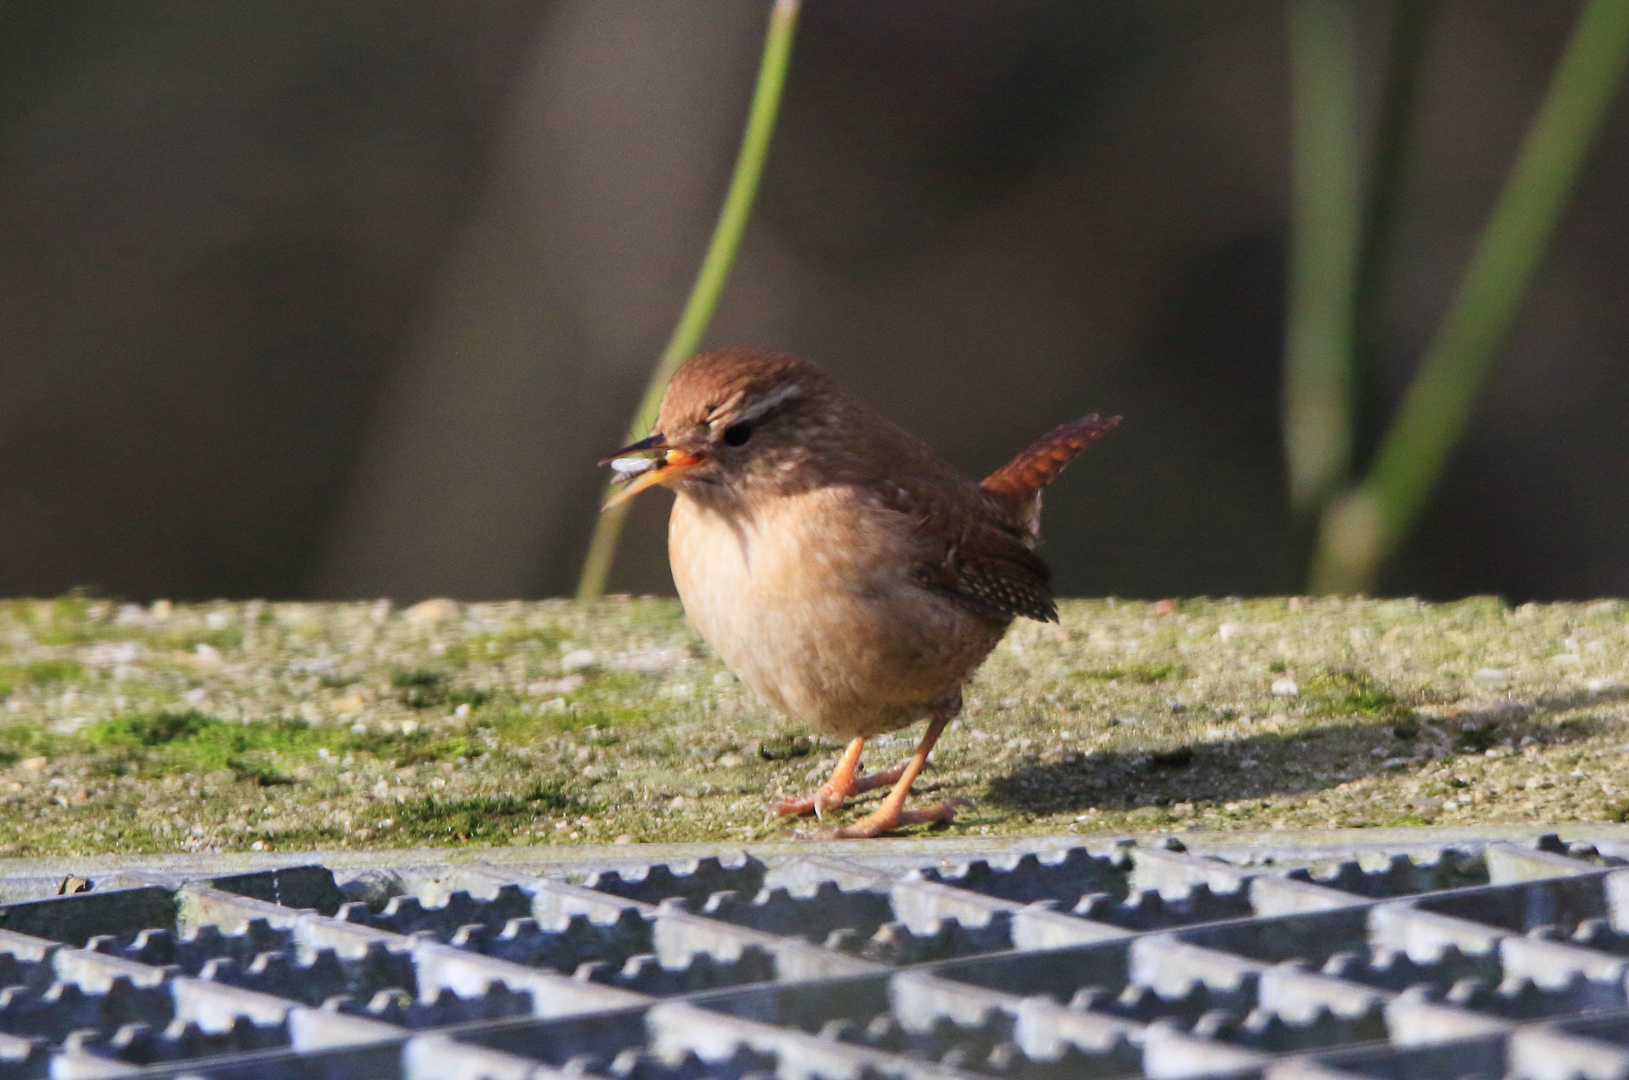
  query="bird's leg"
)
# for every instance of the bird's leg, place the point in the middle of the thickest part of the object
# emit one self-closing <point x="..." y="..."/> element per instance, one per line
<point x="842" y="786"/>
<point x="891" y="812"/>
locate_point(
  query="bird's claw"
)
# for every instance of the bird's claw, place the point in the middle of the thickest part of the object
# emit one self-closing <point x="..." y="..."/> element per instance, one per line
<point x="877" y="823"/>
<point x="829" y="797"/>
<point x="823" y="800"/>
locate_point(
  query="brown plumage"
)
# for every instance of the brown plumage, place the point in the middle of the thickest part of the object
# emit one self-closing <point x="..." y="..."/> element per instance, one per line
<point x="835" y="563"/>
<point x="1039" y="463"/>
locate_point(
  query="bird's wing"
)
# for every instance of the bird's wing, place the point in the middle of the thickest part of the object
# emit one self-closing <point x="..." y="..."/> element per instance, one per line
<point x="994" y="572"/>
<point x="970" y="552"/>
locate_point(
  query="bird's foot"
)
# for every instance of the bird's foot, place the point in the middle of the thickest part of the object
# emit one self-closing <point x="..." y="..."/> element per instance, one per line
<point x="885" y="820"/>
<point x="830" y="796"/>
<point x="798" y="807"/>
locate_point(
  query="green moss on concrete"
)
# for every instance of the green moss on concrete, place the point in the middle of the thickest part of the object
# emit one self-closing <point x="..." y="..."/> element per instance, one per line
<point x="286" y="726"/>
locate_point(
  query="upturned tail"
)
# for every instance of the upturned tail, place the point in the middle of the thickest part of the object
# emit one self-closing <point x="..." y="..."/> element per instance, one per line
<point x="1038" y="464"/>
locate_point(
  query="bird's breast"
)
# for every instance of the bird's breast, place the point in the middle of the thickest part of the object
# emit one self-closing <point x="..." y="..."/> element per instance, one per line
<point x="810" y="599"/>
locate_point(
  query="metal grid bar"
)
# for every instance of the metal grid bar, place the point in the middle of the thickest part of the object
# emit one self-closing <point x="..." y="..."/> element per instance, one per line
<point x="1474" y="959"/>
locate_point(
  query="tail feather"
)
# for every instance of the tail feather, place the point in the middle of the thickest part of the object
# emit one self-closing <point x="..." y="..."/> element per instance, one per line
<point x="1038" y="464"/>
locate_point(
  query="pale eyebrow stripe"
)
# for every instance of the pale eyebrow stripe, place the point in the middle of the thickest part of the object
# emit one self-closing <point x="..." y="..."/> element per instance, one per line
<point x="769" y="401"/>
<point x="724" y="406"/>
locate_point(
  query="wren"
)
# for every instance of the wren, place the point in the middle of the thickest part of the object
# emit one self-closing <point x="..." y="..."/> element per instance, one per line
<point x="835" y="563"/>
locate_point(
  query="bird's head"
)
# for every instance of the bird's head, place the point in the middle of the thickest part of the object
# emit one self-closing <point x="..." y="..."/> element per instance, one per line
<point x="729" y="419"/>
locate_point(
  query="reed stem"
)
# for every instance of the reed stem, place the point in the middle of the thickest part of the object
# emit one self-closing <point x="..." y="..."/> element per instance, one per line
<point x="1360" y="530"/>
<point x="710" y="279"/>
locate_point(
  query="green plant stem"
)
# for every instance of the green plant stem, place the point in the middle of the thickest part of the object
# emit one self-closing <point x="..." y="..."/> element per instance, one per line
<point x="1390" y="164"/>
<point x="1361" y="530"/>
<point x="715" y="270"/>
<point x="1324" y="244"/>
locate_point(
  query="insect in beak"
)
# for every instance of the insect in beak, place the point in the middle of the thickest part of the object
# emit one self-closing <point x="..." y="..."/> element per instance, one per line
<point x="640" y="473"/>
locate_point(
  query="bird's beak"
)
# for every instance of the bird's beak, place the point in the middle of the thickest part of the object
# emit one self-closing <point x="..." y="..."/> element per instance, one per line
<point x="639" y="473"/>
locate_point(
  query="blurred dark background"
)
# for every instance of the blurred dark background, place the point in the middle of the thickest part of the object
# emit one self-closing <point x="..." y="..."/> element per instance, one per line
<point x="344" y="299"/>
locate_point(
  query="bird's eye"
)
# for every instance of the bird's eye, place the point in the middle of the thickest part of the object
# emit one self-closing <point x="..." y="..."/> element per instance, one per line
<point x="738" y="433"/>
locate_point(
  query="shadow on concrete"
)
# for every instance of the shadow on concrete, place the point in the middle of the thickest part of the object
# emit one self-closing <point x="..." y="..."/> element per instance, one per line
<point x="1290" y="763"/>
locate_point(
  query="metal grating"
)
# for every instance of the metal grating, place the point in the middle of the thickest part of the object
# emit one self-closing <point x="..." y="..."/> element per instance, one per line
<point x="1477" y="958"/>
